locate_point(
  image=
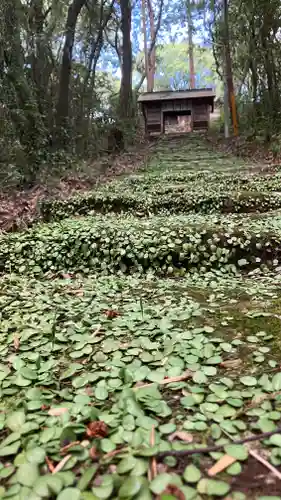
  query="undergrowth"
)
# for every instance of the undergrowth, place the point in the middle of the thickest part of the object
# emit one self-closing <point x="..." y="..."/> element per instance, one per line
<point x="130" y="340"/>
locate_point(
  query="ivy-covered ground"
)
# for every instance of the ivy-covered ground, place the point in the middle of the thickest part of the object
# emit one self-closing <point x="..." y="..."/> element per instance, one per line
<point x="140" y="337"/>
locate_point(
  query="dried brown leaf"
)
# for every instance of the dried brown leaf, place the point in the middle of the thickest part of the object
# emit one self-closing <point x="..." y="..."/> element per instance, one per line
<point x="172" y="490"/>
<point x="97" y="429"/>
<point x="231" y="363"/>
<point x="45" y="407"/>
<point x="182" y="436"/>
<point x="111" y="313"/>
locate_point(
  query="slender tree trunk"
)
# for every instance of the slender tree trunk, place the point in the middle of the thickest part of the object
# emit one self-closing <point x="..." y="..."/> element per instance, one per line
<point x="143" y="18"/>
<point x="65" y="74"/>
<point x="41" y="64"/>
<point x="190" y="46"/>
<point x="152" y="56"/>
<point x="126" y="104"/>
<point x="228" y="69"/>
<point x="153" y="42"/>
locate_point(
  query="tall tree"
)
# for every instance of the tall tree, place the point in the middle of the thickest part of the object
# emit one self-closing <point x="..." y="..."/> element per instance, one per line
<point x="66" y="65"/>
<point x="144" y="34"/>
<point x="148" y="71"/>
<point x="152" y="55"/>
<point x="228" y="68"/>
<point x="126" y="94"/>
<point x="190" y="44"/>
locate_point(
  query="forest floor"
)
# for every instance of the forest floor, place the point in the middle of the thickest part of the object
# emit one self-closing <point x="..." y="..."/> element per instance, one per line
<point x="140" y="336"/>
<point x="19" y="207"/>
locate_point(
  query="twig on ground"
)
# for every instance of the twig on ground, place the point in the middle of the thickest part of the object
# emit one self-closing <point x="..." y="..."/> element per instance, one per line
<point x="113" y="453"/>
<point x="97" y="330"/>
<point x="217" y="447"/>
<point x="260" y="459"/>
<point x="265" y="463"/>
<point x="50" y="464"/>
<point x="61" y="464"/>
<point x="165" y="381"/>
<point x="221" y="464"/>
<point x="64" y="449"/>
<point x="256" y="403"/>
<point x="152" y="471"/>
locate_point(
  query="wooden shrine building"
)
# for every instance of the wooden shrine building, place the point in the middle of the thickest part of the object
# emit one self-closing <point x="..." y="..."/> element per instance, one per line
<point x="176" y="111"/>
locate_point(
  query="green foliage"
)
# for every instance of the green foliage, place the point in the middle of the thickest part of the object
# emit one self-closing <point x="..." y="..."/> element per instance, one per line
<point x="94" y="367"/>
<point x="172" y="69"/>
<point x="255" y="61"/>
<point x="31" y="79"/>
<point x="162" y="201"/>
<point x="110" y="245"/>
<point x="136" y="244"/>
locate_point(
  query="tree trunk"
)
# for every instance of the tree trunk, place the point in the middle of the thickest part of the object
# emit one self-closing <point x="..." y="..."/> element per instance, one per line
<point x="152" y="43"/>
<point x="41" y="63"/>
<point x="152" y="56"/>
<point x="228" y="69"/>
<point x="65" y="73"/>
<point x="190" y="46"/>
<point x="143" y="18"/>
<point x="126" y="104"/>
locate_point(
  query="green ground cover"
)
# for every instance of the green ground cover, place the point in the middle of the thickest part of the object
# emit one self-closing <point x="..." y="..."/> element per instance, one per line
<point x="131" y="340"/>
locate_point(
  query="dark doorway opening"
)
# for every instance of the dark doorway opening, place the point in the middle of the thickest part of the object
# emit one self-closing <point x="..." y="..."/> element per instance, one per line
<point x="177" y="122"/>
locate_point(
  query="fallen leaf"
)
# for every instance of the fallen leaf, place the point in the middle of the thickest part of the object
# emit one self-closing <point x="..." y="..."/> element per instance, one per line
<point x="110" y="313"/>
<point x="172" y="490"/>
<point x="182" y="436"/>
<point x="45" y="407"/>
<point x="97" y="429"/>
<point x="231" y="363"/>
<point x="57" y="412"/>
<point x="221" y="464"/>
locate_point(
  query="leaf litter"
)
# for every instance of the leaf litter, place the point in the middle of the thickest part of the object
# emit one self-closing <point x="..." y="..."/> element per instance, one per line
<point x="110" y="384"/>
